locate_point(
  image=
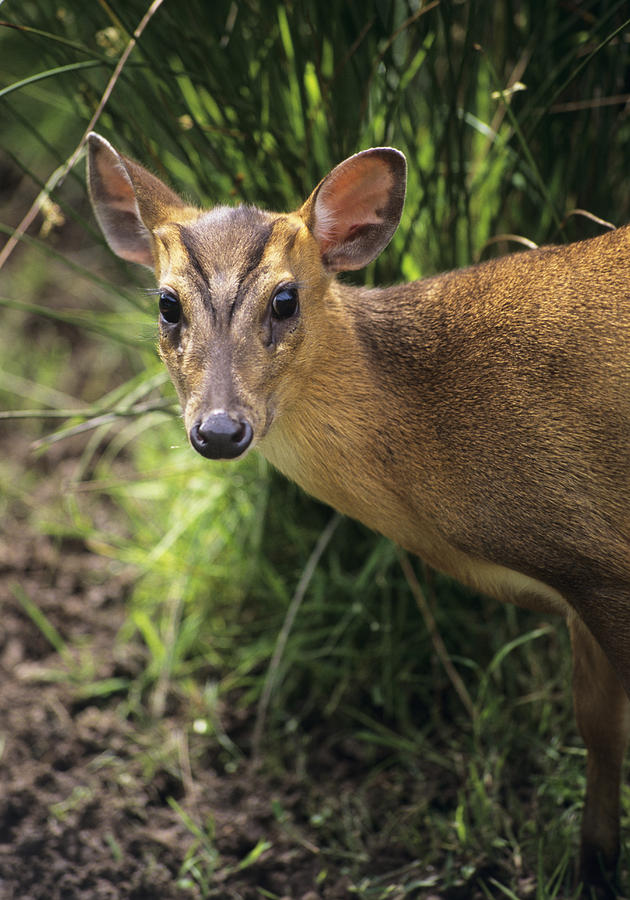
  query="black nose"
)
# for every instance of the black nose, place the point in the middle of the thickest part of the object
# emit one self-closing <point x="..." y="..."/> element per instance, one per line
<point x="220" y="436"/>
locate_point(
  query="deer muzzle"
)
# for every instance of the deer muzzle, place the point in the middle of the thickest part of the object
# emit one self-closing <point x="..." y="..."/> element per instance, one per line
<point x="221" y="435"/>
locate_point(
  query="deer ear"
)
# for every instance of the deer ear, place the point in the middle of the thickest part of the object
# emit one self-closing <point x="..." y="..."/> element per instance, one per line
<point x="129" y="202"/>
<point x="354" y="212"/>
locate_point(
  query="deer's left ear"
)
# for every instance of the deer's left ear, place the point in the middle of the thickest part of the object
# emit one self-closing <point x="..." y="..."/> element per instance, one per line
<point x="128" y="201"/>
<point x="354" y="212"/>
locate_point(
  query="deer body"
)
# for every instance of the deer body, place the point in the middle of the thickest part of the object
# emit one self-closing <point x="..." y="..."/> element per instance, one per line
<point x="500" y="454"/>
<point x="481" y="419"/>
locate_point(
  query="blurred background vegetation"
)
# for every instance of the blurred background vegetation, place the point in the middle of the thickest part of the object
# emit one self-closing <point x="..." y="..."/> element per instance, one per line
<point x="512" y="114"/>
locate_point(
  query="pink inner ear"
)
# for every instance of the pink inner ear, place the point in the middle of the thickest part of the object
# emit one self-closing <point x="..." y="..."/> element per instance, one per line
<point x="351" y="199"/>
<point x="116" y="208"/>
<point x="117" y="187"/>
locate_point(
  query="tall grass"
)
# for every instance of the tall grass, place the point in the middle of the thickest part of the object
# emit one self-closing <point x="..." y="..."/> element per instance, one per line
<point x="512" y="115"/>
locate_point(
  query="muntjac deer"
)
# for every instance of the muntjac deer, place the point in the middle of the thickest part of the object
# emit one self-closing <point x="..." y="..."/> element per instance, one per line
<point x="481" y="418"/>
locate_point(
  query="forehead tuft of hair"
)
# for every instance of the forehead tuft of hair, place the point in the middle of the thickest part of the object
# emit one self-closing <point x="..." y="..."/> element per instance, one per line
<point x="228" y="238"/>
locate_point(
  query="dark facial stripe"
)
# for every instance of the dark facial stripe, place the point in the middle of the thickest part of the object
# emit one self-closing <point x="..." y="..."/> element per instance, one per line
<point x="258" y="246"/>
<point x="244" y="284"/>
<point x="188" y="246"/>
<point x="256" y="254"/>
<point x="264" y="236"/>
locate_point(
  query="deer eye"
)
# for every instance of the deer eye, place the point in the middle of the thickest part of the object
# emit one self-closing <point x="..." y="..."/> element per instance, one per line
<point x="170" y="307"/>
<point x="284" y="302"/>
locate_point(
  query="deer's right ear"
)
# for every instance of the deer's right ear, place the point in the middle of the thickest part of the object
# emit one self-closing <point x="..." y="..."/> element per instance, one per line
<point x="129" y="202"/>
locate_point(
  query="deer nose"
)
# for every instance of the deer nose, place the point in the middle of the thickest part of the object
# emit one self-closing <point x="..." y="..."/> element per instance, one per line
<point x="219" y="436"/>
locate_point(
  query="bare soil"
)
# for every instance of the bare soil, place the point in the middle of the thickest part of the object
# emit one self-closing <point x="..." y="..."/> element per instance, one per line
<point x="80" y="815"/>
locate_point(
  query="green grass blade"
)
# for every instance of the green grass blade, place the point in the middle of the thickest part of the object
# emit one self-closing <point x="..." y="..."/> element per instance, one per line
<point x="39" y="618"/>
<point x="52" y="73"/>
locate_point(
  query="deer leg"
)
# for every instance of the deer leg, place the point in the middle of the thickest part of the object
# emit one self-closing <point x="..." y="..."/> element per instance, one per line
<point x="602" y="711"/>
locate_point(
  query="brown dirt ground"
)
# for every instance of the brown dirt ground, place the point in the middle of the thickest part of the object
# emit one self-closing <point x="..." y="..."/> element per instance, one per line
<point x="80" y="816"/>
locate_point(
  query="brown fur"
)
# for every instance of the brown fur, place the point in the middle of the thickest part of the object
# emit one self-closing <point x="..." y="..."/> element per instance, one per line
<point x="480" y="418"/>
